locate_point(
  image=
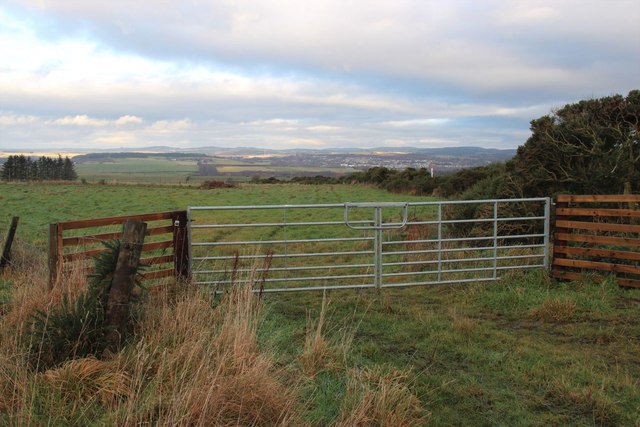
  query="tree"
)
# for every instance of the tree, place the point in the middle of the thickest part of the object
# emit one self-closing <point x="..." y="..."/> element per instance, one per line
<point x="45" y="168"/>
<point x="590" y="147"/>
<point x="68" y="170"/>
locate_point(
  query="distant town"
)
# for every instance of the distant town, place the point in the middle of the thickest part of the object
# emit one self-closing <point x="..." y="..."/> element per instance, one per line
<point x="443" y="160"/>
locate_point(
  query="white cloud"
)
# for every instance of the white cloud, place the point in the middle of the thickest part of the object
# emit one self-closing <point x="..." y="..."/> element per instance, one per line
<point x="80" y="120"/>
<point x="168" y="126"/>
<point x="357" y="73"/>
<point x="323" y="128"/>
<point x="417" y="122"/>
<point x="15" y="120"/>
<point x="128" y="119"/>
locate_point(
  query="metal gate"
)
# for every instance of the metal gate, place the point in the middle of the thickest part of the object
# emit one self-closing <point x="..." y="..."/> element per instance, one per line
<point x="366" y="245"/>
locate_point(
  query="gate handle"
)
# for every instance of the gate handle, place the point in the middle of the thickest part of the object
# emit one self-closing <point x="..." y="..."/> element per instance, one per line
<point x="387" y="226"/>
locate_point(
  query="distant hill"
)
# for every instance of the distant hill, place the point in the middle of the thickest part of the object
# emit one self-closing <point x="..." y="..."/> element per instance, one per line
<point x="102" y="156"/>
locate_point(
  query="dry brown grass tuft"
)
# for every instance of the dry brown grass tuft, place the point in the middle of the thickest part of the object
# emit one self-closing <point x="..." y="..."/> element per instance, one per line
<point x="31" y="293"/>
<point x="318" y="353"/>
<point x="379" y="397"/>
<point x="196" y="365"/>
<point x="554" y="310"/>
<point x="82" y="380"/>
<point x="462" y="324"/>
<point x="13" y="384"/>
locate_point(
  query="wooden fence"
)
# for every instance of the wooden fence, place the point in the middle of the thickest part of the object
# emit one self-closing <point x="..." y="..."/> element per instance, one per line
<point x="598" y="234"/>
<point x="165" y="252"/>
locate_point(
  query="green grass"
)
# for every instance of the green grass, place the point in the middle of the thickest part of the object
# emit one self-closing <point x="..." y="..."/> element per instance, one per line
<point x="40" y="204"/>
<point x="147" y="170"/>
<point x="482" y="354"/>
<point x="161" y="170"/>
<point x="524" y="351"/>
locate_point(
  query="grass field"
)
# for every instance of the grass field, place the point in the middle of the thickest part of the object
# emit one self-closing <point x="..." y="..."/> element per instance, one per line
<point x="41" y="204"/>
<point x="161" y="170"/>
<point x="145" y="170"/>
<point x="524" y="351"/>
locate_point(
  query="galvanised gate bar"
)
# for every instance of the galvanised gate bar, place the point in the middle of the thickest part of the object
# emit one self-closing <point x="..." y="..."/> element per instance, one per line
<point x="366" y="245"/>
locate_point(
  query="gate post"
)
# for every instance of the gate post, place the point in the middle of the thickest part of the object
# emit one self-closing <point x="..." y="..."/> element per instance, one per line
<point x="377" y="252"/>
<point x="181" y="245"/>
<point x="547" y="231"/>
<point x="495" y="239"/>
<point x="55" y="254"/>
<point x="439" y="241"/>
<point x="117" y="311"/>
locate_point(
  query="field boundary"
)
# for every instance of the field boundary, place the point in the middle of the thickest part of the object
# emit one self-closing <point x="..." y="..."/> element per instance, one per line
<point x="597" y="234"/>
<point x="370" y="245"/>
<point x="173" y="223"/>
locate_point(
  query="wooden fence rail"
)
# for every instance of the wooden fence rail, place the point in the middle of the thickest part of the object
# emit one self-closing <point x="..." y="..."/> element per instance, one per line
<point x="73" y="250"/>
<point x="598" y="234"/>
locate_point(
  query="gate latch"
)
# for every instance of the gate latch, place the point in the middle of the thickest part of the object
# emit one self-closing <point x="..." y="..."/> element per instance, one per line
<point x="378" y="224"/>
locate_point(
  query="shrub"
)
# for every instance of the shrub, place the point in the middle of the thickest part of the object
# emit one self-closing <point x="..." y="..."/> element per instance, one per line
<point x="213" y="184"/>
<point x="75" y="328"/>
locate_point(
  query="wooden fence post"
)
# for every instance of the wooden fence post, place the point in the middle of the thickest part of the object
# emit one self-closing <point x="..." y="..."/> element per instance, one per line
<point x="558" y="242"/>
<point x="181" y="245"/>
<point x="117" y="313"/>
<point x="6" y="252"/>
<point x="55" y="254"/>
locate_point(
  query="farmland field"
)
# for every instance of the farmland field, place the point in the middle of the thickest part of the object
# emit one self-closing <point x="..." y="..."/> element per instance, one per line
<point x="162" y="170"/>
<point x="146" y="170"/>
<point x="41" y="204"/>
<point x="525" y="350"/>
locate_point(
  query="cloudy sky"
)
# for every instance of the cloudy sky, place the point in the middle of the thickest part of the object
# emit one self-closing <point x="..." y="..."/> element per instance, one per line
<point x="82" y="74"/>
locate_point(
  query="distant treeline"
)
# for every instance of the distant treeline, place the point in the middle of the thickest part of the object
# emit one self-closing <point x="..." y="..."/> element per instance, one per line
<point x="590" y="147"/>
<point x="410" y="180"/>
<point x="45" y="168"/>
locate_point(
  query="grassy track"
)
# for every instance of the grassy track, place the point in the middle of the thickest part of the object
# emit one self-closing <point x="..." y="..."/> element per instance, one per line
<point x="524" y="351"/>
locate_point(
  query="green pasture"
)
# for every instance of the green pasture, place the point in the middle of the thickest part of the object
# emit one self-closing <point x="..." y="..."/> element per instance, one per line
<point x="40" y="204"/>
<point x="522" y="351"/>
<point x="146" y="170"/>
<point x="162" y="170"/>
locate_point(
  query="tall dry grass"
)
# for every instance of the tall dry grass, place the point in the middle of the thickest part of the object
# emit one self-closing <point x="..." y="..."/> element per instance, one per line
<point x="192" y="361"/>
<point x="196" y="365"/>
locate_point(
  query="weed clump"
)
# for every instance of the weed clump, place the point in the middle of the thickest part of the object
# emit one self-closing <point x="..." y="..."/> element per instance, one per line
<point x="87" y="379"/>
<point x="76" y="328"/>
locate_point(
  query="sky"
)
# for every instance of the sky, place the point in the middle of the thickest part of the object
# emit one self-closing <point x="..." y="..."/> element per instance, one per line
<point x="91" y="74"/>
